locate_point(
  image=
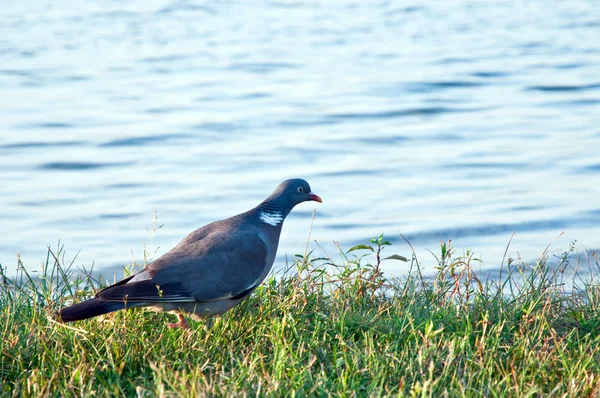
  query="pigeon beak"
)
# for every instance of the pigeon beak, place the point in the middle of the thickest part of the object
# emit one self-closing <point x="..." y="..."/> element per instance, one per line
<point x="315" y="197"/>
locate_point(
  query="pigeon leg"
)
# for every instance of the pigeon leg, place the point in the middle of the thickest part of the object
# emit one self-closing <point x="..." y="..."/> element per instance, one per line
<point x="181" y="324"/>
<point x="208" y="324"/>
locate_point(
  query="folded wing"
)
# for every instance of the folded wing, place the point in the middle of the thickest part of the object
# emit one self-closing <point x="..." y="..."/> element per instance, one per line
<point x="215" y="266"/>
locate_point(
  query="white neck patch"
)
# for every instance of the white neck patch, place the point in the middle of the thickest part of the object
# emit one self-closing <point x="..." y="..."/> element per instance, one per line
<point x="271" y="218"/>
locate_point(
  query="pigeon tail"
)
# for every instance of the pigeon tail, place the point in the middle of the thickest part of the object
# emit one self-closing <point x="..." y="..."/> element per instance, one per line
<point x="89" y="309"/>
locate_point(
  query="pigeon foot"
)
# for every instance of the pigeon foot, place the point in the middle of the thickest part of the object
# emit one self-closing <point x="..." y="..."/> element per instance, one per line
<point x="181" y="324"/>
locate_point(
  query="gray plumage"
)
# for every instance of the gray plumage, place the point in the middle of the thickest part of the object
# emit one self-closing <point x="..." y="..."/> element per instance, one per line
<point x="211" y="270"/>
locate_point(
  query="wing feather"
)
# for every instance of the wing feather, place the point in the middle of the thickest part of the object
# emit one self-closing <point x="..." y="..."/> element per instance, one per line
<point x="212" y="263"/>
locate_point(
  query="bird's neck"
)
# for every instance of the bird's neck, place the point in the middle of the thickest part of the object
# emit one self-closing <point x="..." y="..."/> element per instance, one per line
<point x="271" y="212"/>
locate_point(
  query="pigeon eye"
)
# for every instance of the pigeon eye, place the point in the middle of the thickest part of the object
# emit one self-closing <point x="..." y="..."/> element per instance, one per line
<point x="300" y="189"/>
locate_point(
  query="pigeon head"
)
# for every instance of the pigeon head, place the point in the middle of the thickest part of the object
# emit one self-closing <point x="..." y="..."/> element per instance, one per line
<point x="294" y="191"/>
<point x="283" y="199"/>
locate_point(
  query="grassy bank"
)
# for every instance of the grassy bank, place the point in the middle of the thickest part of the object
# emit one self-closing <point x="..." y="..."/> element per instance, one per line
<point x="324" y="328"/>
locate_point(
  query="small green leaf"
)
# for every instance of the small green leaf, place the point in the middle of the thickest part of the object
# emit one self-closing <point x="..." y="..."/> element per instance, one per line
<point x="396" y="257"/>
<point x="429" y="327"/>
<point x="360" y="247"/>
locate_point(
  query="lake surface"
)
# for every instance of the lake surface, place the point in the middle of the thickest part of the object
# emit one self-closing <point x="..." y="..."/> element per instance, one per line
<point x="436" y="120"/>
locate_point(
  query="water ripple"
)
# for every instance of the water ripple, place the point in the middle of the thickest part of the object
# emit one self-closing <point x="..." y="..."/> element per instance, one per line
<point x="216" y="126"/>
<point x="563" y="88"/>
<point x="166" y="110"/>
<point x="40" y="144"/>
<point x="47" y="202"/>
<point x="305" y="123"/>
<point x="490" y="74"/>
<point x="144" y="140"/>
<point x="425" y="111"/>
<point x="487" y="165"/>
<point x="48" y="125"/>
<point x="166" y="58"/>
<point x="261" y="68"/>
<point x="78" y="166"/>
<point x="421" y="87"/>
<point x="348" y="173"/>
<point x="119" y="215"/>
<point x="592" y="168"/>
<point x="125" y="185"/>
<point x="572" y="103"/>
<point x="384" y="140"/>
<point x="488" y="230"/>
<point x="182" y="6"/>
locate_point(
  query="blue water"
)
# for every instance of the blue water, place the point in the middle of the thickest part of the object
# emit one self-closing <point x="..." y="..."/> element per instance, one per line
<point x="435" y="120"/>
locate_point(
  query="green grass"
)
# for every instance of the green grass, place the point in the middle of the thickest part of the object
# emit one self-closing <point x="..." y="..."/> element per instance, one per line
<point x="323" y="328"/>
